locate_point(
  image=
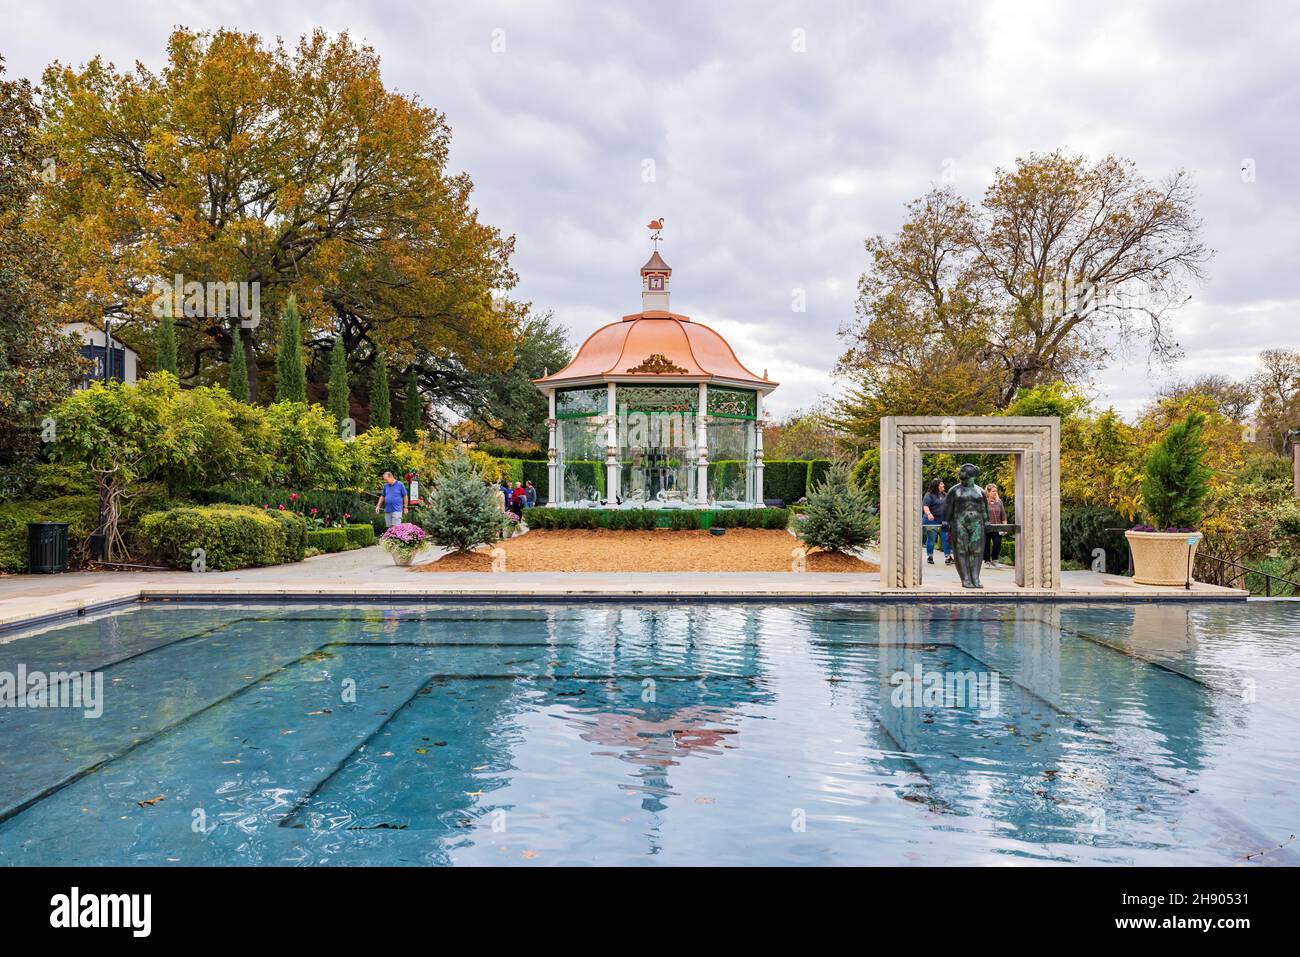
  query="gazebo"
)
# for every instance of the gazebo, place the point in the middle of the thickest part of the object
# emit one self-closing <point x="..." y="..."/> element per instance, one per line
<point x="655" y="411"/>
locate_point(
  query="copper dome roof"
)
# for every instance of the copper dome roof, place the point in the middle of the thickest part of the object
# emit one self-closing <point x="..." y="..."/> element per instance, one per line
<point x="663" y="346"/>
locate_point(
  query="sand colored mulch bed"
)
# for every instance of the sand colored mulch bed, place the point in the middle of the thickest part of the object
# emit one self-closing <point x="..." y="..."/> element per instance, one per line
<point x="739" y="550"/>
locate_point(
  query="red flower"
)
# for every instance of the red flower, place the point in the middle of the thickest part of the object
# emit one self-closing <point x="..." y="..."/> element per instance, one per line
<point x="282" y="508"/>
<point x="313" y="511"/>
<point x="293" y="496"/>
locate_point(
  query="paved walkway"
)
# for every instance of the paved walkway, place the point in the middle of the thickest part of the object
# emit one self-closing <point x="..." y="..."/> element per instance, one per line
<point x="368" y="572"/>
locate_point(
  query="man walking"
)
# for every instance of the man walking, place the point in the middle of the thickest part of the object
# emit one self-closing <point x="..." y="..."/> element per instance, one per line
<point x="393" y="501"/>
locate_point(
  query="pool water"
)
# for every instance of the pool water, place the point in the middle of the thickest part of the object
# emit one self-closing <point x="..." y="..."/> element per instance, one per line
<point x="661" y="734"/>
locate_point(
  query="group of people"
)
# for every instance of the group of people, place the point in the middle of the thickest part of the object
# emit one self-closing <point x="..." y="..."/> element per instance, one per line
<point x="523" y="495"/>
<point x="933" y="506"/>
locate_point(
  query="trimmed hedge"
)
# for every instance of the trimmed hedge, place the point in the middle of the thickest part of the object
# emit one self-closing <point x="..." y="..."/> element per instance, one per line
<point x="539" y="474"/>
<point x="295" y="534"/>
<point x="329" y="539"/>
<point x="81" y="512"/>
<point x="647" y="518"/>
<point x="231" y="536"/>
<point x="332" y="504"/>
<point x="791" y="479"/>
<point x="818" y="469"/>
<point x="361" y="536"/>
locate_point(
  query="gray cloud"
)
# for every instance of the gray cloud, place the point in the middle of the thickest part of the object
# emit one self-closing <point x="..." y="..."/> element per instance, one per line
<point x="773" y="165"/>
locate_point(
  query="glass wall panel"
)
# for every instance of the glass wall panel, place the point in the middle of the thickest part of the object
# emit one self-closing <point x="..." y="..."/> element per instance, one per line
<point x="657" y="444"/>
<point x="570" y="402"/>
<point x="580" y="452"/>
<point x="731" y="459"/>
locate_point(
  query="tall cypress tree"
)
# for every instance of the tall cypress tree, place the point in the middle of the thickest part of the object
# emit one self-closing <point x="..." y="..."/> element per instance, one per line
<point x="166" y="345"/>
<point x="381" y="415"/>
<point x="290" y="373"/>
<point x="238" y="381"/>
<point x="338" y="384"/>
<point x="411" y="411"/>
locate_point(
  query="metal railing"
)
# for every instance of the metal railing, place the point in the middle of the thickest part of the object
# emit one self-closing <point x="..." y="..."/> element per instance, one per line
<point x="1232" y="574"/>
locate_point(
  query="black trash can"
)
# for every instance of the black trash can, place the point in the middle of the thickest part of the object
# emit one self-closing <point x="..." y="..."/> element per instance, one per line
<point x="47" y="547"/>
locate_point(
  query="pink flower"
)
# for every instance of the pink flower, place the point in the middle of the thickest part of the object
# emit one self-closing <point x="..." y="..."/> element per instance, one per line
<point x="313" y="511"/>
<point x="293" y="496"/>
<point x="282" y="508"/>
<point x="266" y="506"/>
<point x="346" y="516"/>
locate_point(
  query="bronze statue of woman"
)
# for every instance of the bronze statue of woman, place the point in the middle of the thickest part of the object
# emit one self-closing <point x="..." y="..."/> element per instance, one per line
<point x="966" y="513"/>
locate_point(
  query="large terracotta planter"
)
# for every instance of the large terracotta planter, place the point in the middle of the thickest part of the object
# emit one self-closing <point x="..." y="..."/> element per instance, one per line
<point x="1163" y="558"/>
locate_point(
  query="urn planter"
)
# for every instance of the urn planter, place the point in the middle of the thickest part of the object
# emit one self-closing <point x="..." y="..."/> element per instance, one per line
<point x="1163" y="558"/>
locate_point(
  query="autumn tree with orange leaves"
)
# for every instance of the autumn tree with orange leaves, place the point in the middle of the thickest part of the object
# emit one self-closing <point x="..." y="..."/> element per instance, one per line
<point x="294" y="168"/>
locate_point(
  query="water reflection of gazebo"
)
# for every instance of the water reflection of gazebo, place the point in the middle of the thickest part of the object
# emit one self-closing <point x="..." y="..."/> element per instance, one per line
<point x="655" y="410"/>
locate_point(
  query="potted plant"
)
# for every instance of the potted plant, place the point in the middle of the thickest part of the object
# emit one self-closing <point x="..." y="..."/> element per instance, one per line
<point x="1173" y="488"/>
<point x="403" y="542"/>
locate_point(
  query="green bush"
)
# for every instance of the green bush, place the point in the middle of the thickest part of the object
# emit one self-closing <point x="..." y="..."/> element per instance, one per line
<point x="294" y="528"/>
<point x="866" y="472"/>
<point x="329" y="539"/>
<point x="361" y="536"/>
<point x="776" y="518"/>
<point x="20" y="481"/>
<point x="461" y="512"/>
<point x="513" y="468"/>
<point x="839" y="516"/>
<point x="684" y="521"/>
<point x="1085" y="528"/>
<point x="635" y="520"/>
<point x="231" y="536"/>
<point x="330" y="505"/>
<point x="81" y="512"/>
<point x="1177" y="478"/>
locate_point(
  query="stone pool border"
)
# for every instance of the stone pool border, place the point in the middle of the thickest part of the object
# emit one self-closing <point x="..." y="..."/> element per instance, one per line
<point x="750" y="591"/>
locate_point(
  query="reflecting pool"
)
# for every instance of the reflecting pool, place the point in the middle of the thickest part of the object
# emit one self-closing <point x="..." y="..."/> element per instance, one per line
<point x="658" y="734"/>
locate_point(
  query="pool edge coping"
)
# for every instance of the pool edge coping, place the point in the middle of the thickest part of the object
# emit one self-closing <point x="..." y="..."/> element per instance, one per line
<point x="146" y="596"/>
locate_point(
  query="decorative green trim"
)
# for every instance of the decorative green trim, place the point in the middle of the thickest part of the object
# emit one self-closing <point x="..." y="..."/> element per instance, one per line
<point x="733" y="403"/>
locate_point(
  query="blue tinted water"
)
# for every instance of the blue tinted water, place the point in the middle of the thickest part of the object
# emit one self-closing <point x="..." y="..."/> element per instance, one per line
<point x="716" y="734"/>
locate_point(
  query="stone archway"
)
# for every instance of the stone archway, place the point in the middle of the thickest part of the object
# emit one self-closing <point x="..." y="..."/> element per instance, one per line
<point x="1036" y="444"/>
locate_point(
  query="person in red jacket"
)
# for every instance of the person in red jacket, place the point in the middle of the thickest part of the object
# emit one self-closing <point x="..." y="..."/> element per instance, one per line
<point x="518" y="499"/>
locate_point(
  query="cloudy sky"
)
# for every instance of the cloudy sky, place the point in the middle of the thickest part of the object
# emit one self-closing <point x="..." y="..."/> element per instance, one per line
<point x="780" y="135"/>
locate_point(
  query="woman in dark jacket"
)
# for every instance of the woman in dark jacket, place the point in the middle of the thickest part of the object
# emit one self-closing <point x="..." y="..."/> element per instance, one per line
<point x="931" y="514"/>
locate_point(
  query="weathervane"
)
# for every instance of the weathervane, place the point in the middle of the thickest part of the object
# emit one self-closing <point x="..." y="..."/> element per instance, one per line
<point x="656" y="227"/>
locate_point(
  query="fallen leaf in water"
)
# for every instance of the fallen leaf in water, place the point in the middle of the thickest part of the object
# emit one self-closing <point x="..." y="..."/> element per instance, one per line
<point x="473" y="794"/>
<point x="529" y="855"/>
<point x="421" y="750"/>
<point x="235" y="761"/>
<point x="703" y="800"/>
<point x="151" y="801"/>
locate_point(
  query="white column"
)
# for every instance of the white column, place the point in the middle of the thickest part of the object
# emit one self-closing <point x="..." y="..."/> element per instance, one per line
<point x="553" y="493"/>
<point x="758" y="447"/>
<point x="611" y="446"/>
<point x="702" y="446"/>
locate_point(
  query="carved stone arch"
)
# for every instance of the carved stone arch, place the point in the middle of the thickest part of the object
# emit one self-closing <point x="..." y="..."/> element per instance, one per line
<point x="1036" y="444"/>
